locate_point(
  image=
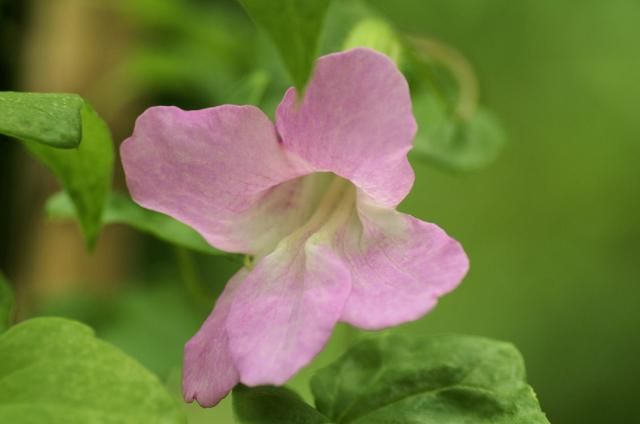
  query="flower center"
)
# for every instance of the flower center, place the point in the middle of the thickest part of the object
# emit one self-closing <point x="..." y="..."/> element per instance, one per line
<point x="334" y="203"/>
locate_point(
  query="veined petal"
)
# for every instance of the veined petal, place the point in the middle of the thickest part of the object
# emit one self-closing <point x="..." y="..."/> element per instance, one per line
<point x="285" y="311"/>
<point x="218" y="170"/>
<point x="399" y="266"/>
<point x="209" y="373"/>
<point x="355" y="120"/>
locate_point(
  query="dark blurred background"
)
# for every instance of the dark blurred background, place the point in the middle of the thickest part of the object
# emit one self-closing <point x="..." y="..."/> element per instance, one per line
<point x="552" y="227"/>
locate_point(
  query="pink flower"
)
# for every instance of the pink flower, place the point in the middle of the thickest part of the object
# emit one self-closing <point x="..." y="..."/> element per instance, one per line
<point x="313" y="200"/>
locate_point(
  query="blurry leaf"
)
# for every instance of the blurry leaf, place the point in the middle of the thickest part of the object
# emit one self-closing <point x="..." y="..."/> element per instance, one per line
<point x="273" y="405"/>
<point x="6" y="304"/>
<point x="65" y="120"/>
<point x="92" y="310"/>
<point x="189" y="53"/>
<point x="47" y="118"/>
<point x="340" y="21"/>
<point x="453" y="130"/>
<point x="153" y="325"/>
<point x="439" y="379"/>
<point x="376" y="34"/>
<point x="178" y="69"/>
<point x="55" y="371"/>
<point x="150" y="323"/>
<point x="250" y="90"/>
<point x="209" y="24"/>
<point x="122" y="210"/>
<point x="453" y="142"/>
<point x="295" y="27"/>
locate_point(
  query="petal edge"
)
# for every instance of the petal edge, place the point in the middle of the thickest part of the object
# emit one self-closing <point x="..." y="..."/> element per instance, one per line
<point x="285" y="312"/>
<point x="355" y="120"/>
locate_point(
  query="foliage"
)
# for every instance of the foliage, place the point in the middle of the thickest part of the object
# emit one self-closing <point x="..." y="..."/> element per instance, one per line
<point x="454" y="131"/>
<point x="84" y="171"/>
<point x="122" y="210"/>
<point x="454" y="142"/>
<point x="388" y="379"/>
<point x="273" y="405"/>
<point x="150" y="323"/>
<point x="54" y="370"/>
<point x="294" y="26"/>
<point x="51" y="119"/>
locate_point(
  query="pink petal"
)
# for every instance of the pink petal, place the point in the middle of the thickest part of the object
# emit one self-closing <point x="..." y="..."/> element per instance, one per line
<point x="208" y="373"/>
<point x="399" y="266"/>
<point x="216" y="170"/>
<point x="356" y="121"/>
<point x="285" y="311"/>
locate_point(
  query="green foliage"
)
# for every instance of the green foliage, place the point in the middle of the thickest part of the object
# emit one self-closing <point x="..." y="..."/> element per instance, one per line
<point x="376" y="34"/>
<point x="249" y="90"/>
<point x="55" y="371"/>
<point x="122" y="210"/>
<point x="151" y="323"/>
<point x="47" y="118"/>
<point x="453" y="142"/>
<point x="273" y="405"/>
<point x="454" y="131"/>
<point x="47" y="121"/>
<point x="6" y="304"/>
<point x="440" y="379"/>
<point x="190" y="52"/>
<point x="388" y="379"/>
<point x="342" y="19"/>
<point x="295" y="27"/>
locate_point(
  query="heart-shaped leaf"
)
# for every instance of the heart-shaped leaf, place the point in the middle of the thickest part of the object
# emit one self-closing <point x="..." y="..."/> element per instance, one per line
<point x="438" y="379"/>
<point x="55" y="371"/>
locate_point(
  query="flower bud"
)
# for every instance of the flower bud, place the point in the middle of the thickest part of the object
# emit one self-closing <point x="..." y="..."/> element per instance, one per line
<point x="377" y="35"/>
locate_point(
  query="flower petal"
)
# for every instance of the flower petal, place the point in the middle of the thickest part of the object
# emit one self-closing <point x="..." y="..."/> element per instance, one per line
<point x="399" y="266"/>
<point x="355" y="120"/>
<point x="285" y="311"/>
<point x="208" y="372"/>
<point x="216" y="170"/>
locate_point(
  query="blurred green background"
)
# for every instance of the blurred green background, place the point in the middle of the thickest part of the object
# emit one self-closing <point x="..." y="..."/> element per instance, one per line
<point x="552" y="227"/>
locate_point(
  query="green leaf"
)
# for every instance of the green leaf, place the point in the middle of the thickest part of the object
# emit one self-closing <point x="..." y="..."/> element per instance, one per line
<point x="47" y="121"/>
<point x="6" y="304"/>
<point x="295" y="27"/>
<point x="454" y="131"/>
<point x="273" y="405"/>
<point x="47" y="118"/>
<point x="122" y="210"/>
<point x="128" y="321"/>
<point x="453" y="142"/>
<point x="55" y="371"/>
<point x="438" y="379"/>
